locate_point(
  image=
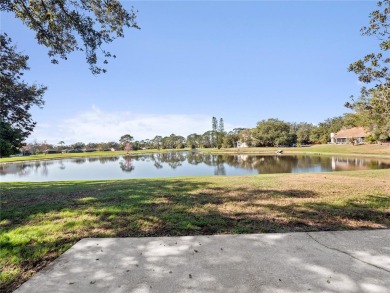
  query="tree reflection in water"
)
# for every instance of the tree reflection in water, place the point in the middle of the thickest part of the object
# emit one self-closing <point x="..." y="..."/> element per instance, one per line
<point x="173" y="159"/>
<point x="219" y="166"/>
<point x="62" y="165"/>
<point x="265" y="164"/>
<point x="156" y="161"/>
<point x="126" y="165"/>
<point x="104" y="160"/>
<point x="79" y="160"/>
<point x="183" y="163"/>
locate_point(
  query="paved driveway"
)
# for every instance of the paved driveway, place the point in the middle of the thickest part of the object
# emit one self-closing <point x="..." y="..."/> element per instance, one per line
<point x="343" y="261"/>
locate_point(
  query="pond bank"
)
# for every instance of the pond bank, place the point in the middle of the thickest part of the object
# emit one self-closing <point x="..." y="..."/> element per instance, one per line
<point x="83" y="155"/>
<point x="173" y="164"/>
<point x="366" y="150"/>
<point x="369" y="150"/>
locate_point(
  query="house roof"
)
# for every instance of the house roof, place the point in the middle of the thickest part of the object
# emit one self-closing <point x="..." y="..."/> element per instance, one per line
<point x="353" y="132"/>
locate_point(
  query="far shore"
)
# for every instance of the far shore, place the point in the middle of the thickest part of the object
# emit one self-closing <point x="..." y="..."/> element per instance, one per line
<point x="366" y="150"/>
<point x="84" y="154"/>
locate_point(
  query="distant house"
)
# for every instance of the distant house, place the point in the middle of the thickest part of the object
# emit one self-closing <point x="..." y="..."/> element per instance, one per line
<point x="241" y="144"/>
<point x="357" y="134"/>
<point x="52" y="151"/>
<point x="26" y="151"/>
<point x="75" y="151"/>
<point x="89" y="150"/>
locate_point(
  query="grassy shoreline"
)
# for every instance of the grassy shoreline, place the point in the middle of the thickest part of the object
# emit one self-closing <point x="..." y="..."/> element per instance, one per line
<point x="83" y="155"/>
<point x="324" y="149"/>
<point x="39" y="221"/>
<point x="344" y="150"/>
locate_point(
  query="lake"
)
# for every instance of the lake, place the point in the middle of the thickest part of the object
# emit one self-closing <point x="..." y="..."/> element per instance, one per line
<point x="179" y="164"/>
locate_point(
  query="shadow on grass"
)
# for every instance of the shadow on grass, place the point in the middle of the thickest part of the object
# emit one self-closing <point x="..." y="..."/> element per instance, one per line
<point x="41" y="220"/>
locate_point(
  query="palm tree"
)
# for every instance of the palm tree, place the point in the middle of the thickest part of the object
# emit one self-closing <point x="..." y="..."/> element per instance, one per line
<point x="61" y="143"/>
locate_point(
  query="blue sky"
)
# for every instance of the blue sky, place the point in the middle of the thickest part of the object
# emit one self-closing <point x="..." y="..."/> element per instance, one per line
<point x="243" y="61"/>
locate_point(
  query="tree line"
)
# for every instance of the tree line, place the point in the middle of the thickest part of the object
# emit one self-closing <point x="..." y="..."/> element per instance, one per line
<point x="267" y="133"/>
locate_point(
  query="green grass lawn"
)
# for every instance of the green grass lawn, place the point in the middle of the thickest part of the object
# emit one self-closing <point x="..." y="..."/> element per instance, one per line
<point x="39" y="221"/>
<point x="87" y="154"/>
<point x="344" y="149"/>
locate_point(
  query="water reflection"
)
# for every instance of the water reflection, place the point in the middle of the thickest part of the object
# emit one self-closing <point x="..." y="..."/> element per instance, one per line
<point x="173" y="159"/>
<point x="346" y="164"/>
<point x="79" y="160"/>
<point x="62" y="165"/>
<point x="104" y="160"/>
<point x="180" y="163"/>
<point x="27" y="168"/>
<point x="93" y="159"/>
<point x="126" y="165"/>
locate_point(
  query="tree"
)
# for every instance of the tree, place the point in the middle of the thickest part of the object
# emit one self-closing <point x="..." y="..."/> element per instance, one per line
<point x="63" y="27"/>
<point x="103" y="146"/>
<point x="16" y="96"/>
<point x="246" y="136"/>
<point x="179" y="141"/>
<point x="221" y="125"/>
<point x="92" y="146"/>
<point x="237" y="134"/>
<point x="11" y="139"/>
<point x="157" y="142"/>
<point x="147" y="143"/>
<point x="42" y="147"/>
<point x="303" y="132"/>
<point x="135" y="146"/>
<point x="128" y="147"/>
<point x="321" y="133"/>
<point x="272" y="132"/>
<point x="125" y="139"/>
<point x="230" y="139"/>
<point x="61" y="143"/>
<point x="207" y="139"/>
<point x="220" y="133"/>
<point x="194" y="140"/>
<point x="66" y="26"/>
<point x="373" y="104"/>
<point x="173" y="142"/>
<point x="238" y="130"/>
<point x="78" y="145"/>
<point x="166" y="142"/>
<point x="214" y="126"/>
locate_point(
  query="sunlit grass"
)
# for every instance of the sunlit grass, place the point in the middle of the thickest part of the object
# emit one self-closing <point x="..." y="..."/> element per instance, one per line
<point x="86" y="154"/>
<point x="39" y="221"/>
<point x="344" y="149"/>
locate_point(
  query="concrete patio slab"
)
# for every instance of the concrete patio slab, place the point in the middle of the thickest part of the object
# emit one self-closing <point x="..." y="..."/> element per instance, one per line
<point x="343" y="261"/>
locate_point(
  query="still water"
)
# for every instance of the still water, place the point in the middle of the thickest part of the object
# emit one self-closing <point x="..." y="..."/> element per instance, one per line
<point x="179" y="164"/>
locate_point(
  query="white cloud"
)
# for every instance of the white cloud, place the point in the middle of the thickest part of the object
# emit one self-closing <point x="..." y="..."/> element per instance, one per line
<point x="97" y="125"/>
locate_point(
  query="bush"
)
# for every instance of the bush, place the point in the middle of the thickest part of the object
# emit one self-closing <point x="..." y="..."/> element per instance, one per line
<point x="369" y="139"/>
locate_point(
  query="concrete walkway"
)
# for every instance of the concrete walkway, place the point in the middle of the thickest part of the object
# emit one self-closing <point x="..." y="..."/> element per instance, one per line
<point x="344" y="261"/>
